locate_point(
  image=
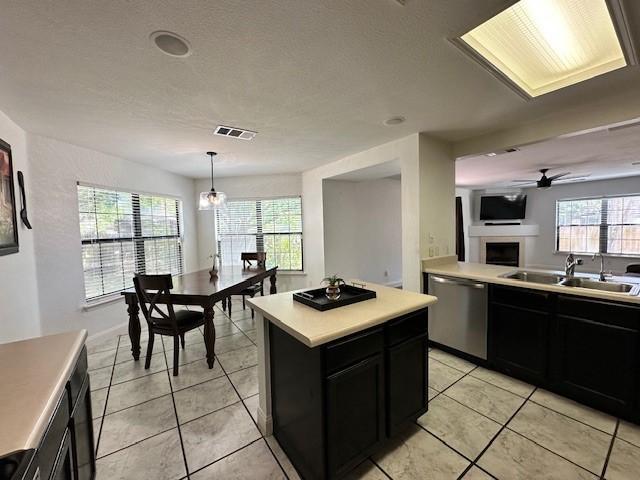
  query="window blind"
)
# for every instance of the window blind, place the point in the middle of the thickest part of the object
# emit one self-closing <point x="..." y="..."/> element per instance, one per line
<point x="123" y="233"/>
<point x="605" y="224"/>
<point x="272" y="225"/>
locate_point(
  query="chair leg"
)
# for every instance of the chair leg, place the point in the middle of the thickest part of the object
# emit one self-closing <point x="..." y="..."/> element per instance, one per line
<point x="244" y="305"/>
<point x="253" y="313"/>
<point x="262" y="289"/>
<point x="182" y="340"/>
<point x="176" y="354"/>
<point x="147" y="362"/>
<point x="229" y="305"/>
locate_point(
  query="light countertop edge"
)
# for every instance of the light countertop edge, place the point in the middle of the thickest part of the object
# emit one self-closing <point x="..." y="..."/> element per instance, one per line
<point x="26" y="419"/>
<point x="491" y="274"/>
<point x="284" y="312"/>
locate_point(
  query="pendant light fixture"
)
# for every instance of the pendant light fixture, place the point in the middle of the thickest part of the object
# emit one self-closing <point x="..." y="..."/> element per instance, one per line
<point x="211" y="200"/>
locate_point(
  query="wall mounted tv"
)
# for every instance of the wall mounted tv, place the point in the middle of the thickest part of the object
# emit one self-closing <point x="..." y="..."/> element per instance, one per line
<point x="503" y="207"/>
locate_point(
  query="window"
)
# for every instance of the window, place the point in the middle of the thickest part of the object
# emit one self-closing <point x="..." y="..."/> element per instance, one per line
<point x="608" y="225"/>
<point x="266" y="225"/>
<point x="123" y="233"/>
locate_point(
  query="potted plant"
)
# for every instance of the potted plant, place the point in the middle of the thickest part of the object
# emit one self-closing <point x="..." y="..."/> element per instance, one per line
<point x="333" y="286"/>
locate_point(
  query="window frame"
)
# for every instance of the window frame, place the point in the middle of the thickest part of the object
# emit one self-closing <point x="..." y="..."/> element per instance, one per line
<point x="260" y="234"/>
<point x="137" y="239"/>
<point x="603" y="226"/>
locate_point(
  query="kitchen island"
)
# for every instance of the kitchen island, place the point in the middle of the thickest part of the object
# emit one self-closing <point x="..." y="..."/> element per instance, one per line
<point x="335" y="385"/>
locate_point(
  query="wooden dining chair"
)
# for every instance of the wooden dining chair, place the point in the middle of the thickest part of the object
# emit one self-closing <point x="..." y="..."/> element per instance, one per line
<point x="261" y="262"/>
<point x="149" y="289"/>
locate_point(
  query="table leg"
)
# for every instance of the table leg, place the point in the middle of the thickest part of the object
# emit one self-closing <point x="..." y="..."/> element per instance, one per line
<point x="134" y="326"/>
<point x="272" y="281"/>
<point x="209" y="334"/>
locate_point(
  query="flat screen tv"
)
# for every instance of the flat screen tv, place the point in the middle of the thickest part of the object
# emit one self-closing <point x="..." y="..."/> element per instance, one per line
<point x="503" y="207"/>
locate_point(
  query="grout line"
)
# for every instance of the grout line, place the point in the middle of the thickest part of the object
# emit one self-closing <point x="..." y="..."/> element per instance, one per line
<point x="613" y="439"/>
<point x="227" y="455"/>
<point x="380" y="468"/>
<point x="253" y="420"/>
<point x="552" y="452"/>
<point x="175" y="409"/>
<point x="106" y="400"/>
<point x="575" y="419"/>
<point x="482" y="452"/>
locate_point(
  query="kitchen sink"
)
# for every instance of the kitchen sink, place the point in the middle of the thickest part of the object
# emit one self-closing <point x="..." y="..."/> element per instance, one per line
<point x="614" y="287"/>
<point x="552" y="278"/>
<point x="536" y="277"/>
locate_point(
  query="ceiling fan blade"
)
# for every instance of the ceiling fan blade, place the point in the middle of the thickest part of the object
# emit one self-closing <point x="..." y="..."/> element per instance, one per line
<point x="559" y="175"/>
<point x="573" y="177"/>
<point x="524" y="181"/>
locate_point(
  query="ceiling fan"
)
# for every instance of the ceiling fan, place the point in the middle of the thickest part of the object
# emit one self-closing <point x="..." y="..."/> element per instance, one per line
<point x="545" y="182"/>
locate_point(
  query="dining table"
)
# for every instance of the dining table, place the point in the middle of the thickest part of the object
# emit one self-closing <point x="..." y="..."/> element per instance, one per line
<point x="201" y="289"/>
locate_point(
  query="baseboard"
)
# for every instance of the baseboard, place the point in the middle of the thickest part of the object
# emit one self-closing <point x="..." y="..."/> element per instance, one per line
<point x="110" y="332"/>
<point x="265" y="423"/>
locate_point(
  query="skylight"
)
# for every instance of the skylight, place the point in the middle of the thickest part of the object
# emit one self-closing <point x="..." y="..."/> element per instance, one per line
<point x="545" y="45"/>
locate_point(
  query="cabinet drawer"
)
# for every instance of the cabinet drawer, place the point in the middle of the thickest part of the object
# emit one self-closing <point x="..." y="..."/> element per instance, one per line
<point x="77" y="377"/>
<point x="53" y="438"/>
<point x="350" y="350"/>
<point x="627" y="316"/>
<point x="409" y="326"/>
<point x="520" y="297"/>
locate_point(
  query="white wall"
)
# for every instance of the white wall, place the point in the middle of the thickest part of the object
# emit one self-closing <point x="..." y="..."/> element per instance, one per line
<point x="56" y="167"/>
<point x="19" y="312"/>
<point x="363" y="229"/>
<point x="466" y="196"/>
<point x="428" y="204"/>
<point x="265" y="186"/>
<point x="541" y="211"/>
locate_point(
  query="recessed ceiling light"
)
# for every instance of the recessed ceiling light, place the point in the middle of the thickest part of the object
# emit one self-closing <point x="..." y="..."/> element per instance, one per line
<point x="171" y="43"/>
<point x="394" y="121"/>
<point x="538" y="46"/>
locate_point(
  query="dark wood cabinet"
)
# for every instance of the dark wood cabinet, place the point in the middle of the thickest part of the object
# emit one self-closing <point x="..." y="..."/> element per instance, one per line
<point x="406" y="365"/>
<point x="596" y="353"/>
<point x="582" y="348"/>
<point x="518" y="336"/>
<point x="335" y="404"/>
<point x="355" y="414"/>
<point x="66" y="451"/>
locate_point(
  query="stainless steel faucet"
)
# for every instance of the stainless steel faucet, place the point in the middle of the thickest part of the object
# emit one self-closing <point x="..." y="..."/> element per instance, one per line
<point x="602" y="277"/>
<point x="570" y="265"/>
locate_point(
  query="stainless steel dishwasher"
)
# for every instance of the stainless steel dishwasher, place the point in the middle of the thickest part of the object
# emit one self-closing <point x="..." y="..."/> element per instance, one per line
<point x="459" y="318"/>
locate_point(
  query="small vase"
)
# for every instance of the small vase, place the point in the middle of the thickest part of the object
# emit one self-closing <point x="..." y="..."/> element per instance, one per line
<point x="333" y="292"/>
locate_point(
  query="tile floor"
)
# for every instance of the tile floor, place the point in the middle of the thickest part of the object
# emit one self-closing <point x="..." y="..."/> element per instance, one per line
<point x="201" y="424"/>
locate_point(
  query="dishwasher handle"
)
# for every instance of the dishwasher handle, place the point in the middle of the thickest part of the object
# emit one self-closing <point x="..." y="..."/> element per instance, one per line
<point x="459" y="283"/>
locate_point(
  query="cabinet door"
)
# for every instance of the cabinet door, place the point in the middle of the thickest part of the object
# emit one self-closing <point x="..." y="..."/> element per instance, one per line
<point x="406" y="382"/>
<point x="518" y="342"/>
<point x="596" y="363"/>
<point x="82" y="435"/>
<point x="354" y="413"/>
<point x="63" y="467"/>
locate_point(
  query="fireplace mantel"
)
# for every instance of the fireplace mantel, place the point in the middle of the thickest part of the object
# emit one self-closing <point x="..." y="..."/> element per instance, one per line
<point x="503" y="230"/>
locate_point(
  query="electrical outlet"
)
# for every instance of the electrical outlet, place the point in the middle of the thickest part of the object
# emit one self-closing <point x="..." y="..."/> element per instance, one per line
<point x="431" y="251"/>
<point x="386" y="273"/>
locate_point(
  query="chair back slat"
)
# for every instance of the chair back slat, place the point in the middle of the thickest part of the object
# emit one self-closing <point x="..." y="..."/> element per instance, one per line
<point x="259" y="257"/>
<point x="149" y="289"/>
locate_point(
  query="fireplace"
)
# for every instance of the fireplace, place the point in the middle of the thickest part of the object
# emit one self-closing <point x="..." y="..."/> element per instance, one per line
<point x="503" y="253"/>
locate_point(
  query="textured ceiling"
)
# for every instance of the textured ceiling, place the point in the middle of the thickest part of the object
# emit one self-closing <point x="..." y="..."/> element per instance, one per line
<point x="598" y="155"/>
<point x="315" y="78"/>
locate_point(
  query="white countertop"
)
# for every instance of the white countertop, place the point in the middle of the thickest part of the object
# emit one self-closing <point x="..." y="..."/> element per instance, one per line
<point x="313" y="327"/>
<point x="492" y="274"/>
<point x="34" y="374"/>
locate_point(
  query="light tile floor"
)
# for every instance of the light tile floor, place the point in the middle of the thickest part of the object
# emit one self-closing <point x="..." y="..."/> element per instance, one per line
<point x="202" y="424"/>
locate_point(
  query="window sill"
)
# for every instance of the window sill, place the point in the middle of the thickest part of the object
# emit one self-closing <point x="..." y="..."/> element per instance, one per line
<point x="606" y="255"/>
<point x="292" y="273"/>
<point x="91" y="304"/>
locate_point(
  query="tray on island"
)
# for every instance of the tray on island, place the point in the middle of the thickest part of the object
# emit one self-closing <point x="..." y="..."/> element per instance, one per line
<point x="348" y="294"/>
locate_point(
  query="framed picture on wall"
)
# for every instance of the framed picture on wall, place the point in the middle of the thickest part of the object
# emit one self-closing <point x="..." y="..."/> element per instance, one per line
<point x="8" y="223"/>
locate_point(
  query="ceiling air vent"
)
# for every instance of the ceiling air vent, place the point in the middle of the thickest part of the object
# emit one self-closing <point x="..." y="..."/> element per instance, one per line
<point x="501" y="152"/>
<point x="235" y="132"/>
